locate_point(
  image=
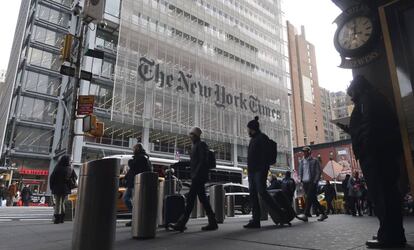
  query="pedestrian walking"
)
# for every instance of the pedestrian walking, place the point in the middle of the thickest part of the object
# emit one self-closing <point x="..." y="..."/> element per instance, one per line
<point x="138" y="164"/>
<point x="289" y="186"/>
<point x="11" y="194"/>
<point x="310" y="174"/>
<point x="257" y="171"/>
<point x="330" y="196"/>
<point x="3" y="192"/>
<point x="376" y="141"/>
<point x="347" y="201"/>
<point x="26" y="195"/>
<point x="355" y="194"/>
<point x="199" y="176"/>
<point x="61" y="182"/>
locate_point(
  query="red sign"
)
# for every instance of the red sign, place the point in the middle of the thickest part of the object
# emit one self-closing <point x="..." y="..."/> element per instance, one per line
<point x="34" y="171"/>
<point x="85" y="104"/>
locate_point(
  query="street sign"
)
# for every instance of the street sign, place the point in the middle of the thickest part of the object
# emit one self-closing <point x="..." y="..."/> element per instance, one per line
<point x="70" y="71"/>
<point x="85" y="104"/>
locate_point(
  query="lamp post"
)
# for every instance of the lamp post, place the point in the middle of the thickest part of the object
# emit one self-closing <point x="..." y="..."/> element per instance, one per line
<point x="333" y="169"/>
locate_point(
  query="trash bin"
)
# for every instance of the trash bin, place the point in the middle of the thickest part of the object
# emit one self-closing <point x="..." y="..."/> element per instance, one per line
<point x="200" y="210"/>
<point x="217" y="196"/>
<point x="144" y="211"/>
<point x="194" y="212"/>
<point x="160" y="209"/>
<point x="230" y="200"/>
<point x="95" y="218"/>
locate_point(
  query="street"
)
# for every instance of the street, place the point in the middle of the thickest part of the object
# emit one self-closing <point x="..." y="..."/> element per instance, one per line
<point x="30" y="228"/>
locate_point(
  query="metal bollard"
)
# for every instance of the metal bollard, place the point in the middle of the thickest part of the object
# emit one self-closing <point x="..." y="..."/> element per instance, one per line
<point x="95" y="218"/>
<point x="200" y="210"/>
<point x="230" y="200"/>
<point x="217" y="194"/>
<point x="193" y="214"/>
<point x="144" y="212"/>
<point x="160" y="210"/>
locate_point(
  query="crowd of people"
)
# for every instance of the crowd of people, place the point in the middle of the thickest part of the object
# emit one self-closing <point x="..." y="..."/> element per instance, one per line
<point x="12" y="195"/>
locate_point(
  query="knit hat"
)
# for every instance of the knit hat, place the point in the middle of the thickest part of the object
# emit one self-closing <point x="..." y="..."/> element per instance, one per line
<point x="196" y="131"/>
<point x="254" y="124"/>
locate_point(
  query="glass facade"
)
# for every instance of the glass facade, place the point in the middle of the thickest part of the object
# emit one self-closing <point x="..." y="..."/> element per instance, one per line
<point x="212" y="64"/>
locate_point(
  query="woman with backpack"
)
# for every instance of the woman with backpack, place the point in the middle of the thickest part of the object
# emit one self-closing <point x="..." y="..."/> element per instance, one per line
<point x="62" y="180"/>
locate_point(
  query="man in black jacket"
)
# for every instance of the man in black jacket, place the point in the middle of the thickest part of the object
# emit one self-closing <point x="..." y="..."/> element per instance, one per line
<point x="257" y="172"/>
<point x="289" y="186"/>
<point x="199" y="177"/>
<point x="376" y="141"/>
<point x="138" y="164"/>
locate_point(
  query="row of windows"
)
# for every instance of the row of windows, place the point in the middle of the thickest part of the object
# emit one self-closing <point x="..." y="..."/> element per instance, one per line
<point x="37" y="110"/>
<point x="209" y="48"/>
<point x="41" y="83"/>
<point x="234" y="22"/>
<point x="44" y="59"/>
<point x="53" y="16"/>
<point x="213" y="29"/>
<point x="47" y="36"/>
<point x="241" y="9"/>
<point x="31" y="139"/>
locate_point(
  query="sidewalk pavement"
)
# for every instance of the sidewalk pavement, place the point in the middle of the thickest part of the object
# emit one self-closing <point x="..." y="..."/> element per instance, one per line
<point x="337" y="232"/>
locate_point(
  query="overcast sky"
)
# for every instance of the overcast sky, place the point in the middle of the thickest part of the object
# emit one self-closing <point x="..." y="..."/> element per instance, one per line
<point x="317" y="19"/>
<point x="317" y="16"/>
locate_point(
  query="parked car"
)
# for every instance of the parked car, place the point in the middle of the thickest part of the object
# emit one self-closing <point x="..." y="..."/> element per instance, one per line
<point x="241" y="194"/>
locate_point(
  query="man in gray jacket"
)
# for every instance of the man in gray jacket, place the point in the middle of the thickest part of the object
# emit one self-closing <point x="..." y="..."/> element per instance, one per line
<point x="310" y="174"/>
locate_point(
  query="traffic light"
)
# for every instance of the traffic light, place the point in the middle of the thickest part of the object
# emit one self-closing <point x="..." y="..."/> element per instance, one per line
<point x="92" y="127"/>
<point x="99" y="130"/>
<point x="66" y="48"/>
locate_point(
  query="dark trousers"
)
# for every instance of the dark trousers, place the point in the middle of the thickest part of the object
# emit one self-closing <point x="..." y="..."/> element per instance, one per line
<point x="330" y="207"/>
<point x="355" y="205"/>
<point x="257" y="186"/>
<point x="197" y="188"/>
<point x="311" y="199"/>
<point x="381" y="174"/>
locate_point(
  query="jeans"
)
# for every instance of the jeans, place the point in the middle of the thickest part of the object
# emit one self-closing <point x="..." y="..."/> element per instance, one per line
<point x="59" y="203"/>
<point x="330" y="206"/>
<point x="128" y="197"/>
<point x="257" y="186"/>
<point x="311" y="199"/>
<point x="197" y="188"/>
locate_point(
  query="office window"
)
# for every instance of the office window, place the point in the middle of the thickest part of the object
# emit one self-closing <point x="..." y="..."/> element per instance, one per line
<point x="31" y="139"/>
<point x="44" y="84"/>
<point x="37" y="110"/>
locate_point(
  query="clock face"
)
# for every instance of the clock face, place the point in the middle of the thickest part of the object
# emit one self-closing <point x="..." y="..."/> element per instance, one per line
<point x="355" y="33"/>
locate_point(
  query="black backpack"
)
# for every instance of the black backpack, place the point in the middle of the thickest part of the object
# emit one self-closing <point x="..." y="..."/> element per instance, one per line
<point x="271" y="152"/>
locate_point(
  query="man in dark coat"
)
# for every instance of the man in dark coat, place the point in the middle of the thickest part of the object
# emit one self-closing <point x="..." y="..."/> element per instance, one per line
<point x="26" y="195"/>
<point x="376" y="141"/>
<point x="330" y="195"/>
<point x="288" y="186"/>
<point x="257" y="172"/>
<point x="309" y="175"/>
<point x="346" y="194"/>
<point x="199" y="177"/>
<point x="138" y="164"/>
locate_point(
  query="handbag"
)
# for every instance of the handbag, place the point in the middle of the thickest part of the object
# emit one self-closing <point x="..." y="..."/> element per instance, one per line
<point x="72" y="180"/>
